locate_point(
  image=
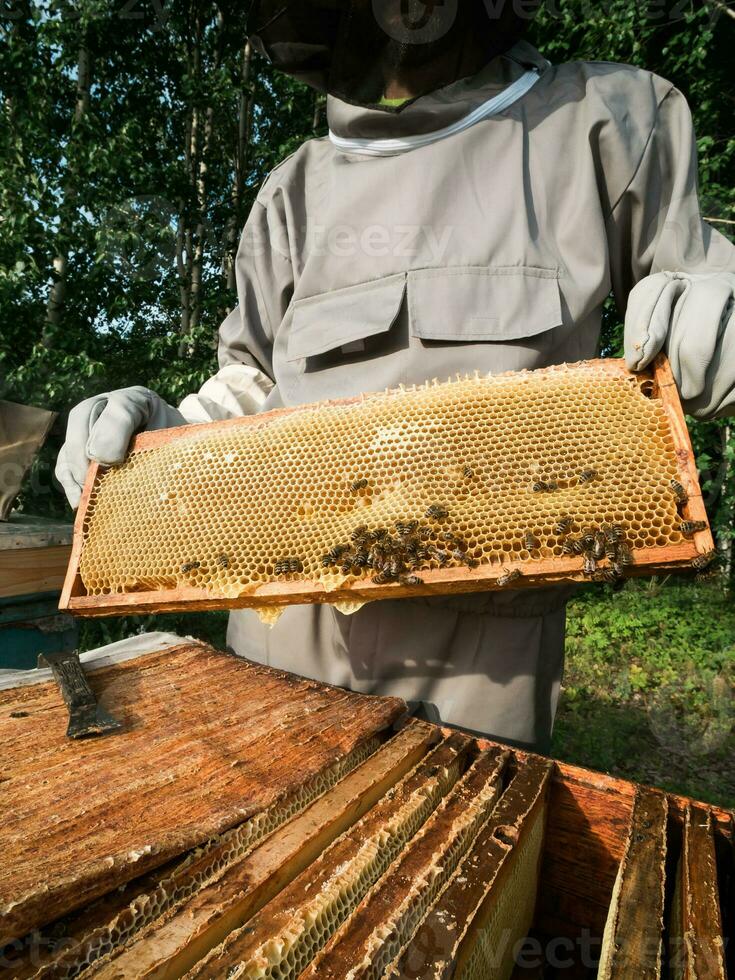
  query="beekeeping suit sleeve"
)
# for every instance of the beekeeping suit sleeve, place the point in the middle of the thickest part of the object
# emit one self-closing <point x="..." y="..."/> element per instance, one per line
<point x="673" y="273"/>
<point x="264" y="277"/>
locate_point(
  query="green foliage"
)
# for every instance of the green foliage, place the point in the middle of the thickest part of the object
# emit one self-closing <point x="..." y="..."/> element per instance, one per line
<point x="210" y="627"/>
<point x="649" y="689"/>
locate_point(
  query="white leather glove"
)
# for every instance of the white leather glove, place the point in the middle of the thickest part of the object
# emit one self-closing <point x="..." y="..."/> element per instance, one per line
<point x="691" y="317"/>
<point x="100" y="428"/>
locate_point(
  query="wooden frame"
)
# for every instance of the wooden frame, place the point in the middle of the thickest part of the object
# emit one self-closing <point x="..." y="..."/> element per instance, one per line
<point x="648" y="561"/>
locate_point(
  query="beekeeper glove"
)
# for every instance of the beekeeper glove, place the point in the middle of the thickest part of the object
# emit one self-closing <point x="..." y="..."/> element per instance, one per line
<point x="691" y="317"/>
<point x="100" y="428"/>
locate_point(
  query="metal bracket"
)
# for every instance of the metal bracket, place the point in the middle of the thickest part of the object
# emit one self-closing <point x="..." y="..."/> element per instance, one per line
<point x="86" y="717"/>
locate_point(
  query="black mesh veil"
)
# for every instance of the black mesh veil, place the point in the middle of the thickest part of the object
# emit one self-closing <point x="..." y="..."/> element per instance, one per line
<point x="350" y="47"/>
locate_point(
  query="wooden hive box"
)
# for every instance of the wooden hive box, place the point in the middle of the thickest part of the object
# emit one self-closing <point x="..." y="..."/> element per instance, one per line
<point x="476" y="473"/>
<point x="343" y="846"/>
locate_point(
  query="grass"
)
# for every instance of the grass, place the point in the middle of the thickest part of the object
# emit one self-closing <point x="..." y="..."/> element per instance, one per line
<point x="648" y="687"/>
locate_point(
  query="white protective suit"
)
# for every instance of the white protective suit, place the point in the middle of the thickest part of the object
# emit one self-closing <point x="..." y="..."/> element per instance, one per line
<point x="482" y="227"/>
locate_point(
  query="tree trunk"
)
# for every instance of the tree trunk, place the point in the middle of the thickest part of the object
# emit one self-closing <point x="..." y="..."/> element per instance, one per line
<point x="242" y="152"/>
<point x="192" y="237"/>
<point x="60" y="262"/>
<point x="725" y="542"/>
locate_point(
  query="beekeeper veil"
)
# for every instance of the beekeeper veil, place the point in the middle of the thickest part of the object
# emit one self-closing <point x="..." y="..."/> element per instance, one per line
<point x="351" y="48"/>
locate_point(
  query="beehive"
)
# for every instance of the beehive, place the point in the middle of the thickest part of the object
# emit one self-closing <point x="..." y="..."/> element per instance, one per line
<point x="243" y="512"/>
<point x="187" y="752"/>
<point x="421" y="853"/>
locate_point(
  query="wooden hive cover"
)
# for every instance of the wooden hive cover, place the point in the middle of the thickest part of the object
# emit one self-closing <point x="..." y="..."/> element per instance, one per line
<point x="208" y="741"/>
<point x="245" y="512"/>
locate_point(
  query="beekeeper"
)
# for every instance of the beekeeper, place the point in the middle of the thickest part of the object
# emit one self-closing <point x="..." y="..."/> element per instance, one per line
<point x="471" y="208"/>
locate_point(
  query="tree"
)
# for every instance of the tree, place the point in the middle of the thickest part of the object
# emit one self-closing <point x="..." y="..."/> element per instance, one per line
<point x="135" y="138"/>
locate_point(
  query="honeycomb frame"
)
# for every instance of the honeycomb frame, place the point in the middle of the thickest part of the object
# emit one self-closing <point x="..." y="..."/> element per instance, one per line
<point x="667" y="552"/>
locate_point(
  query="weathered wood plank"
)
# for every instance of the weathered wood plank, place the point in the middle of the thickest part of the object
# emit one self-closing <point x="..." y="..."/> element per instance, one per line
<point x="632" y="943"/>
<point x="161" y="925"/>
<point x="696" y="945"/>
<point x="489" y="902"/>
<point x="208" y="741"/>
<point x="27" y="570"/>
<point x="384" y="922"/>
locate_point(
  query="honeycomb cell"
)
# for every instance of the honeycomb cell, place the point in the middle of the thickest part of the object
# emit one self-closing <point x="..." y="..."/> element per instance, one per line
<point x="281" y="486"/>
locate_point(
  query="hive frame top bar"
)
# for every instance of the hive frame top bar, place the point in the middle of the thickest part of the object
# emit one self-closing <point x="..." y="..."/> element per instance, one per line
<point x="436" y="581"/>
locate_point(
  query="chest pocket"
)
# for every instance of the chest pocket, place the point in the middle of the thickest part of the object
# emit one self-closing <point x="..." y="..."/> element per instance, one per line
<point x="503" y="304"/>
<point x="344" y="322"/>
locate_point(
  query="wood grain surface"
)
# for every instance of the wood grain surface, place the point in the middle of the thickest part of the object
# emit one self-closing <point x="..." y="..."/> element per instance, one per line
<point x="208" y="740"/>
<point x="632" y="943"/>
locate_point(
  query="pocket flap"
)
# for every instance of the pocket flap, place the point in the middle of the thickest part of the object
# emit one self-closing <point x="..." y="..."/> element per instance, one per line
<point x="341" y="317"/>
<point x="471" y="304"/>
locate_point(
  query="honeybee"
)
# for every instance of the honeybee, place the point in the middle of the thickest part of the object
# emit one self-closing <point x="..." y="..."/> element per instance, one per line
<point x="511" y="575"/>
<point x="613" y="533"/>
<point x="624" y="556"/>
<point x="454" y="541"/>
<point x="680" y="494"/>
<point x="223" y="561"/>
<point x="406" y="528"/>
<point x="606" y="575"/>
<point x="563" y="526"/>
<point x="688" y="528"/>
<point x="611" y="550"/>
<point x="410" y="580"/>
<point x="618" y="569"/>
<point x="396" y="567"/>
<point x="530" y="541"/>
<point x="425" y="532"/>
<point x="586" y="476"/>
<point x="332" y="557"/>
<point x="361" y="558"/>
<point x="590" y="565"/>
<point x="598" y="549"/>
<point x="705" y="560"/>
<point x="287" y="566"/>
<point x="437" y="512"/>
<point x="468" y="473"/>
<point x="438" y="555"/>
<point x="587" y="541"/>
<point x="377" y="559"/>
<point x="360" y="533"/>
<point x="544" y="486"/>
<point x="382" y="578"/>
<point x="463" y="558"/>
<point x="358" y="485"/>
<point x="190" y="566"/>
<point x="571" y="546"/>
